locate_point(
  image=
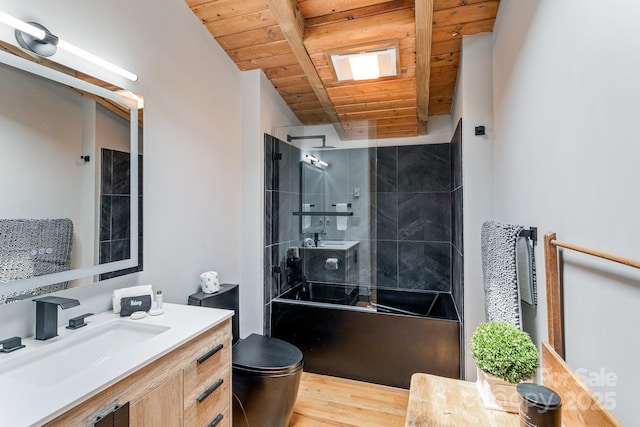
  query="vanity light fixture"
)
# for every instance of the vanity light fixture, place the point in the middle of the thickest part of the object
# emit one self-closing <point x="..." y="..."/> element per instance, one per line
<point x="37" y="39"/>
<point x="315" y="161"/>
<point x="366" y="64"/>
<point x="22" y="26"/>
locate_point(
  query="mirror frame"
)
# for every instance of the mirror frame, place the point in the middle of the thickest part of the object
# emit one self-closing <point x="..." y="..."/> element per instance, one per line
<point x="79" y="273"/>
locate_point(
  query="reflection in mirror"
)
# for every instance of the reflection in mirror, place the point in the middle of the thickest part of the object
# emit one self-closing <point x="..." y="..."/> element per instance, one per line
<point x="65" y="203"/>
<point x="115" y="194"/>
<point x="311" y="198"/>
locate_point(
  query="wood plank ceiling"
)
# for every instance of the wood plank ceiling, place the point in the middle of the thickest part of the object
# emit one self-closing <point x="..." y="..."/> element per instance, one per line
<point x="288" y="40"/>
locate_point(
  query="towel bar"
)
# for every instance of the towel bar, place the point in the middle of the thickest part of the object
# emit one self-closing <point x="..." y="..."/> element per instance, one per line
<point x="531" y="233"/>
<point x="324" y="213"/>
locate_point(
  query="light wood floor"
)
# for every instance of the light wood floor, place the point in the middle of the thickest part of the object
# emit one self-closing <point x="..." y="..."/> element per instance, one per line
<point x="331" y="401"/>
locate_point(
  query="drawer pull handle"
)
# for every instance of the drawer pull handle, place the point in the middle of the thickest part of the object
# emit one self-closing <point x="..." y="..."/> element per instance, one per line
<point x="216" y="420"/>
<point x="210" y="353"/>
<point x="209" y="390"/>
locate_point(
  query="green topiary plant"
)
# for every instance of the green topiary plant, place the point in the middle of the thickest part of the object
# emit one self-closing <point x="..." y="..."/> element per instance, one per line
<point x="502" y="350"/>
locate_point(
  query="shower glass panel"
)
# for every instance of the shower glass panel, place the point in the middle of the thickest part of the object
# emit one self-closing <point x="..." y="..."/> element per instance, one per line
<point x="396" y="243"/>
<point x="375" y="249"/>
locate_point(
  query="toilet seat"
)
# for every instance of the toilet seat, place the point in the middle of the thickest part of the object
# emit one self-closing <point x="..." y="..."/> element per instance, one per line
<point x="261" y="355"/>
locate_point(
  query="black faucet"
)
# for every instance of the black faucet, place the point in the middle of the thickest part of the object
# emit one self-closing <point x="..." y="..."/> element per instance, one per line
<point x="47" y="315"/>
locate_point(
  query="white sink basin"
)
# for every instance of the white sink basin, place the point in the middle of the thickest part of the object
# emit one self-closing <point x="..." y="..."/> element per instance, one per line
<point x="78" y="353"/>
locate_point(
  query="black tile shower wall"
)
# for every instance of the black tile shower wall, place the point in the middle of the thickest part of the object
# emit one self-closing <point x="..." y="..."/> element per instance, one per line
<point x="409" y="198"/>
<point x="457" y="252"/>
<point x="387" y="263"/>
<point x="413" y="217"/>
<point x="387" y="170"/>
<point x="424" y="266"/>
<point x="424" y="216"/>
<point x="115" y="215"/>
<point x="424" y="168"/>
<point x="387" y="216"/>
<point x="281" y="199"/>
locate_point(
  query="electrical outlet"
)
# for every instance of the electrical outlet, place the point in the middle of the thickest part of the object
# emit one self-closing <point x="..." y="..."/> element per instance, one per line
<point x="355" y="220"/>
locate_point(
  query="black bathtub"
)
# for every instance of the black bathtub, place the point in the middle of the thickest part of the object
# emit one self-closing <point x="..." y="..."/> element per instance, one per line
<point x="323" y="292"/>
<point x="437" y="305"/>
<point x="382" y="341"/>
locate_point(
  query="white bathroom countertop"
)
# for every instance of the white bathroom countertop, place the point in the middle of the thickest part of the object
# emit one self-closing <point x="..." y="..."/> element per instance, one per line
<point x="25" y="404"/>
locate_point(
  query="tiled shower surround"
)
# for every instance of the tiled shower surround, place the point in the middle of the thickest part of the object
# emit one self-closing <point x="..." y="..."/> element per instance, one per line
<point x="413" y="212"/>
<point x="407" y="215"/>
<point x="115" y="238"/>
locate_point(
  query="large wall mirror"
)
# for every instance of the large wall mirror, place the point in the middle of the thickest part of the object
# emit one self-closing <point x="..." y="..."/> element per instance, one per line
<point x="70" y="181"/>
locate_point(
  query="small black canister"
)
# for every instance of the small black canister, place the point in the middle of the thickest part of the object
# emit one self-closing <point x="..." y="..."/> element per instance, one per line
<point x="539" y="406"/>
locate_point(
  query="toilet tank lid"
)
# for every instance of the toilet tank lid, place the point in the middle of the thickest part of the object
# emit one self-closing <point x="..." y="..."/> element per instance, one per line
<point x="258" y="353"/>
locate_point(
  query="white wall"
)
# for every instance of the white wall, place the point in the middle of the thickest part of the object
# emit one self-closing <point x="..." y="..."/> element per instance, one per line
<point x="192" y="141"/>
<point x="473" y="102"/>
<point x="566" y="160"/>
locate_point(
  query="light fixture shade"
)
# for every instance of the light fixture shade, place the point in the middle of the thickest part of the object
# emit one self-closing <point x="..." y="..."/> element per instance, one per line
<point x="25" y="27"/>
<point x="36" y="38"/>
<point x="315" y="161"/>
<point x="97" y="60"/>
<point x="365" y="65"/>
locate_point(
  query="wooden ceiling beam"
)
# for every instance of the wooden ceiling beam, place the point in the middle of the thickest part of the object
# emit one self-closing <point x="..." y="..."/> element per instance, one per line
<point x="424" y="19"/>
<point x="288" y="15"/>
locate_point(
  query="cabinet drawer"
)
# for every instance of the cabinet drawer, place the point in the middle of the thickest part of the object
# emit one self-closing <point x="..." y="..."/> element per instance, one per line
<point x="207" y="381"/>
<point x="219" y="419"/>
<point x="204" y="400"/>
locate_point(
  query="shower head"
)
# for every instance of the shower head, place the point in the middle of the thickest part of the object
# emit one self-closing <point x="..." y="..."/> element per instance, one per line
<point x="323" y="146"/>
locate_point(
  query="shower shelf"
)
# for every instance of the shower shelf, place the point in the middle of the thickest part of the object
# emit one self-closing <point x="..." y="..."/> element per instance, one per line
<point x="327" y="213"/>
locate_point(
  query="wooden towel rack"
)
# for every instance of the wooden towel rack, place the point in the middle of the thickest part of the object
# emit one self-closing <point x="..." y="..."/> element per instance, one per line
<point x="554" y="287"/>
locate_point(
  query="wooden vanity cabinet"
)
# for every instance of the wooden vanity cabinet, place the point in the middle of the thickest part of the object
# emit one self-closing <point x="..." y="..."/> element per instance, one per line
<point x="190" y="386"/>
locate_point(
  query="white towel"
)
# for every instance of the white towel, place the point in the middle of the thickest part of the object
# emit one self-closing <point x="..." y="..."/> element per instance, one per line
<point x="306" y="220"/>
<point x="331" y="264"/>
<point x="133" y="291"/>
<point x="341" y="221"/>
